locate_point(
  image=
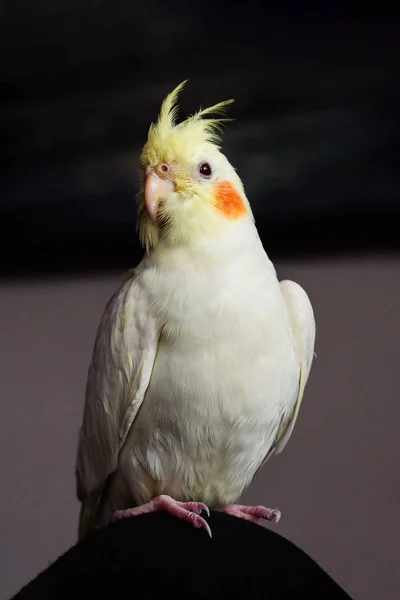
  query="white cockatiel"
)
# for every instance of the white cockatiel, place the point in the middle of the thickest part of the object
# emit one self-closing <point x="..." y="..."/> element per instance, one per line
<point x="201" y="357"/>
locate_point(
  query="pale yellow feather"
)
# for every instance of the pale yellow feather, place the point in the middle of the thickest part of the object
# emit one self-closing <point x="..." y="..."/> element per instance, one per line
<point x="168" y="139"/>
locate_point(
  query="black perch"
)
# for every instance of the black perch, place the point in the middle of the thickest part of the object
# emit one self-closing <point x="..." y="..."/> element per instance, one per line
<point x="157" y="556"/>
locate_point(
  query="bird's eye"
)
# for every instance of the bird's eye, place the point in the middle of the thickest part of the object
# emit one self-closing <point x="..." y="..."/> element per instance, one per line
<point x="205" y="170"/>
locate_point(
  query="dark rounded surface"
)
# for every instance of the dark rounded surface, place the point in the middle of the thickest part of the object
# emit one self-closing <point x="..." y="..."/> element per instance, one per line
<point x="205" y="170"/>
<point x="158" y="556"/>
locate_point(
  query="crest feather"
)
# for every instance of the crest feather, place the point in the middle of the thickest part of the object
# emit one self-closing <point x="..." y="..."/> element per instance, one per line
<point x="169" y="108"/>
<point x="166" y="137"/>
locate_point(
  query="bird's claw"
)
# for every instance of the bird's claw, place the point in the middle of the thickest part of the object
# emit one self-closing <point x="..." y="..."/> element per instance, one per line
<point x="255" y="514"/>
<point x="278" y="514"/>
<point x="187" y="511"/>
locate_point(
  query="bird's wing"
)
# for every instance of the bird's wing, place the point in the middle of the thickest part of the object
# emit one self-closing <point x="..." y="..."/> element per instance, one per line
<point x="301" y="318"/>
<point x="119" y="374"/>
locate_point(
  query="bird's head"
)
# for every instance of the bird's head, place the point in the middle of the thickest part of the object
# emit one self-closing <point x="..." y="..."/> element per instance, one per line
<point x="190" y="191"/>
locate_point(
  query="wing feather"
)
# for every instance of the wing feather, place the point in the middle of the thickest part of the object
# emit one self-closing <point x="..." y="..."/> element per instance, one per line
<point x="122" y="362"/>
<point x="301" y="317"/>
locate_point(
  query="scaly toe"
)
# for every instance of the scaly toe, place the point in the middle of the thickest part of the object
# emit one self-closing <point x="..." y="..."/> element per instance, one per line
<point x="255" y="514"/>
<point x="195" y="507"/>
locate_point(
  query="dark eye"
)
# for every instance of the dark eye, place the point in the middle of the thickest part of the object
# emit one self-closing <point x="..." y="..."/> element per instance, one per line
<point x="205" y="170"/>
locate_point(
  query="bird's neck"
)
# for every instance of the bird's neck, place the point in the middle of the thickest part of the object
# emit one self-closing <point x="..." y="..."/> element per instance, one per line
<point x="207" y="254"/>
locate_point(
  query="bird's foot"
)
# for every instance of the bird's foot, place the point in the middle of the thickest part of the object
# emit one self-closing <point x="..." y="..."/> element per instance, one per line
<point x="255" y="514"/>
<point x="188" y="511"/>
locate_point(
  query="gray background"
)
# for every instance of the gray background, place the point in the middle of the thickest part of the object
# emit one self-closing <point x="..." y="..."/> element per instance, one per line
<point x="337" y="482"/>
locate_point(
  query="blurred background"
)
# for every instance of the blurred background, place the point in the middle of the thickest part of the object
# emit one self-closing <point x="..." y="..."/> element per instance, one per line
<point x="316" y="142"/>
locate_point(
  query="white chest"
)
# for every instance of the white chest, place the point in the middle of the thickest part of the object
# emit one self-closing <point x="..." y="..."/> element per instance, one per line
<point x="223" y="378"/>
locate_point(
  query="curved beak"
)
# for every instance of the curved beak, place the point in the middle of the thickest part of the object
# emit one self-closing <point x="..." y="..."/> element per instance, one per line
<point x="156" y="189"/>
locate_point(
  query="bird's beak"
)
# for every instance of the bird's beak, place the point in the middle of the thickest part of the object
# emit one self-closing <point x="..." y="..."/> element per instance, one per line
<point x="156" y="189"/>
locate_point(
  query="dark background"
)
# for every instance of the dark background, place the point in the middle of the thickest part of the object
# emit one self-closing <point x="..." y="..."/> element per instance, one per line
<point x="315" y="140"/>
<point x="315" y="137"/>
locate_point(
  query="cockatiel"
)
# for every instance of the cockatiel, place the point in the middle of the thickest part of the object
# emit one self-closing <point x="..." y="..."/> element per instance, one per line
<point x="201" y="356"/>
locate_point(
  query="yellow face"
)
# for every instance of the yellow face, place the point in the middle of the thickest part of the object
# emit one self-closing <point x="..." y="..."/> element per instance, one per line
<point x="190" y="189"/>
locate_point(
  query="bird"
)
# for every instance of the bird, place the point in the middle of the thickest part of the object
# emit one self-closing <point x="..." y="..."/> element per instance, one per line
<point x="201" y="356"/>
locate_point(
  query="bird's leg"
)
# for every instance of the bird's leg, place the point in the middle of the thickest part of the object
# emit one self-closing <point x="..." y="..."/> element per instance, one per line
<point x="255" y="514"/>
<point x="188" y="511"/>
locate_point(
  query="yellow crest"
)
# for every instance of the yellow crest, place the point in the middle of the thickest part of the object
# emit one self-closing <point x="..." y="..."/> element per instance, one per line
<point x="168" y="139"/>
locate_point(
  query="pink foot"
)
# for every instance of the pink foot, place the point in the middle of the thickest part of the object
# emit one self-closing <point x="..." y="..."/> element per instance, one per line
<point x="255" y="514"/>
<point x="188" y="511"/>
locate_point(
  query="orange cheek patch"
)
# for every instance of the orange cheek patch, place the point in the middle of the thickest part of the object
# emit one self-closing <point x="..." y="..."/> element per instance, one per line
<point x="228" y="200"/>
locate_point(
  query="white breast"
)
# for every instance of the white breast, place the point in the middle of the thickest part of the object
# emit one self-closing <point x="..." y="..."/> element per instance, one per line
<point x="224" y="376"/>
